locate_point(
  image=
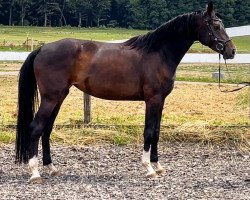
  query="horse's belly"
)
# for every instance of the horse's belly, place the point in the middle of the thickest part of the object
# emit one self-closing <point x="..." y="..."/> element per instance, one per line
<point x="116" y="95"/>
<point x="112" y="88"/>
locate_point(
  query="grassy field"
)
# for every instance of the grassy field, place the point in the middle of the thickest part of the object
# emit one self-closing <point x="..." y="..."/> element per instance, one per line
<point x="14" y="38"/>
<point x="193" y="113"/>
<point x="203" y="73"/>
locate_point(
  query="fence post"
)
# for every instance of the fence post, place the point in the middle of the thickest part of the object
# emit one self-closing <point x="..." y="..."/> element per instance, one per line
<point x="27" y="40"/>
<point x="32" y="45"/>
<point x="87" y="108"/>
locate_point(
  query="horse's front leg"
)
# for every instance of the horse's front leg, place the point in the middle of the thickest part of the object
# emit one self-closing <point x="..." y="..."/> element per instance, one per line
<point x="154" y="108"/>
<point x="154" y="146"/>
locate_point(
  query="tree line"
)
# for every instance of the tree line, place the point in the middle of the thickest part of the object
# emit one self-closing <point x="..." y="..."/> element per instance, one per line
<point x="140" y="14"/>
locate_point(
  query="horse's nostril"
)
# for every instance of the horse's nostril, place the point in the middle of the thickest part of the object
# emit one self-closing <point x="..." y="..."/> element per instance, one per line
<point x="233" y="51"/>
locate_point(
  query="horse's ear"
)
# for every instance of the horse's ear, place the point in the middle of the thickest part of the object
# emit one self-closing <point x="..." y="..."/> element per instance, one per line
<point x="210" y="8"/>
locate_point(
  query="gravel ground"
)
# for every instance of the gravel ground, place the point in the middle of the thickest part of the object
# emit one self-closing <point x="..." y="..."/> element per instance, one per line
<point x="112" y="172"/>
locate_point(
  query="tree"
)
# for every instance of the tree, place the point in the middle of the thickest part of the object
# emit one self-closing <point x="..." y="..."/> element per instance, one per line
<point x="80" y="9"/>
<point x="226" y="10"/>
<point x="242" y="12"/>
<point x="139" y="18"/>
<point x="9" y="5"/>
<point x="24" y="4"/>
<point x="158" y="13"/>
<point x="46" y="8"/>
<point x="123" y="13"/>
<point x="61" y="6"/>
<point x="100" y="10"/>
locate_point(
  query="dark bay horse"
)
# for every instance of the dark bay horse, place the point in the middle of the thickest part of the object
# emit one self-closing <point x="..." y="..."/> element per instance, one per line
<point x="140" y="69"/>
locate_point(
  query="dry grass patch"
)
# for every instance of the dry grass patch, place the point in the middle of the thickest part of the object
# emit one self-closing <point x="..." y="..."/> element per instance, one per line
<point x="193" y="112"/>
<point x="10" y="66"/>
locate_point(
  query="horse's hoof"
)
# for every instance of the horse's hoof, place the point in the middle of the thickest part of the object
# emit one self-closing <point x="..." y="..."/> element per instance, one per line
<point x="161" y="171"/>
<point x="153" y="175"/>
<point x="36" y="180"/>
<point x="55" y="173"/>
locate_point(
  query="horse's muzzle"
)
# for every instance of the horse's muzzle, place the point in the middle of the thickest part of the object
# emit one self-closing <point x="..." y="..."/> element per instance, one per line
<point x="229" y="54"/>
<point x="229" y="50"/>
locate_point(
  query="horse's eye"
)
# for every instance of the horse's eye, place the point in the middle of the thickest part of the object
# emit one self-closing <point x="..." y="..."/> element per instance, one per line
<point x="217" y="27"/>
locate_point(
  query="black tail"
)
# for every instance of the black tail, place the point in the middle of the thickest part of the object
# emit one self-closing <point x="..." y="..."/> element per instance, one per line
<point x="27" y="98"/>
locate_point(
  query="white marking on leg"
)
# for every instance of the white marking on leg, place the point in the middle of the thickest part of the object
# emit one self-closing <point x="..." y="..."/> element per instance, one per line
<point x="146" y="163"/>
<point x="33" y="166"/>
<point x="158" y="168"/>
<point x="53" y="170"/>
<point x="146" y="156"/>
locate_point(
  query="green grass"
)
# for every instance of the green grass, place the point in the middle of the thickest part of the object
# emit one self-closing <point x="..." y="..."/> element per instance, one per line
<point x="242" y="44"/>
<point x="235" y="73"/>
<point x="7" y="136"/>
<point x="48" y="34"/>
<point x="243" y="100"/>
<point x="16" y="36"/>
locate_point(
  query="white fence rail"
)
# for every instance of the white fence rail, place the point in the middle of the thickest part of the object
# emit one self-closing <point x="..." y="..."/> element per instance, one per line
<point x="238" y="31"/>
<point x="213" y="58"/>
<point x="188" y="58"/>
<point x="13" y="56"/>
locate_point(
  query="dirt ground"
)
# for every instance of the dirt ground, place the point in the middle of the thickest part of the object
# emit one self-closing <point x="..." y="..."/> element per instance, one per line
<point x="115" y="172"/>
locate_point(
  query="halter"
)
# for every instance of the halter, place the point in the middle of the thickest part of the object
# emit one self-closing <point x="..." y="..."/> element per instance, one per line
<point x="221" y="44"/>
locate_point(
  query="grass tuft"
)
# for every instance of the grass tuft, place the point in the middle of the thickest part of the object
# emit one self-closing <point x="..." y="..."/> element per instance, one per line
<point x="7" y="136"/>
<point x="201" y="132"/>
<point x="243" y="100"/>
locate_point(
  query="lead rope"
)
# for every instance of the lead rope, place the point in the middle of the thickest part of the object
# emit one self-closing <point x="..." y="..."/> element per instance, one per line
<point x="234" y="90"/>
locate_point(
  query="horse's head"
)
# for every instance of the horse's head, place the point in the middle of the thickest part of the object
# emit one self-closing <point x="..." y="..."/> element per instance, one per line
<point x="211" y="32"/>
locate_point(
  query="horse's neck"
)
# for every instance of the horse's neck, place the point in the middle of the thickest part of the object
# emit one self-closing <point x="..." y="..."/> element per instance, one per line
<point x="182" y="48"/>
<point x="180" y="40"/>
<point x="175" y="50"/>
<point x="177" y="46"/>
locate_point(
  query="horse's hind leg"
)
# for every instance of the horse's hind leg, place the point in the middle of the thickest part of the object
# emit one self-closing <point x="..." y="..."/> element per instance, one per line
<point x="36" y="128"/>
<point x="46" y="137"/>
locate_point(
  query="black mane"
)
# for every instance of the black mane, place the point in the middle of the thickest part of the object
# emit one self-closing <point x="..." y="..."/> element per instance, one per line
<point x="182" y="25"/>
